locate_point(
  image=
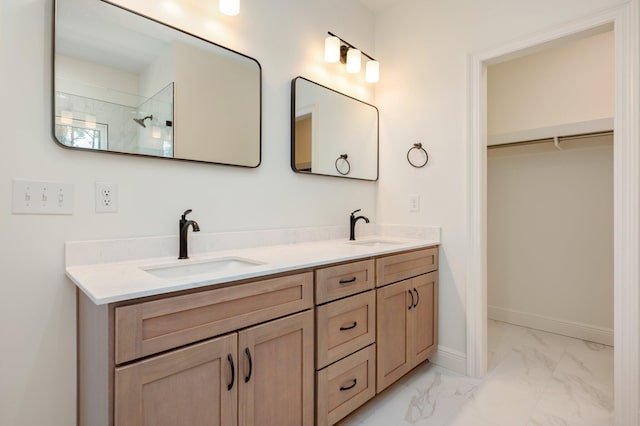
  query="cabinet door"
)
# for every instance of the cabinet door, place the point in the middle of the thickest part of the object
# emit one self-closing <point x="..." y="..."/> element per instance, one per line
<point x="184" y="387"/>
<point x="276" y="372"/>
<point x="424" y="317"/>
<point x="393" y="317"/>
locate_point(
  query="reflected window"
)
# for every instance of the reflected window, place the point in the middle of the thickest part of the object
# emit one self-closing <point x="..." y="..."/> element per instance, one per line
<point x="81" y="133"/>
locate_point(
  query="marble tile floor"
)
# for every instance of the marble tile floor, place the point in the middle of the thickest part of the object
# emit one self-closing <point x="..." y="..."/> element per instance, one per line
<point x="535" y="379"/>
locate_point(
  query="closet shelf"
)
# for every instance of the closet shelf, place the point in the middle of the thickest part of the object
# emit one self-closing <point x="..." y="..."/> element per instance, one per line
<point x="598" y="126"/>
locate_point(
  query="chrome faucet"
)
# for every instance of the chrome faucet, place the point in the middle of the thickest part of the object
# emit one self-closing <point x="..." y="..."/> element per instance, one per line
<point x="184" y="229"/>
<point x="352" y="224"/>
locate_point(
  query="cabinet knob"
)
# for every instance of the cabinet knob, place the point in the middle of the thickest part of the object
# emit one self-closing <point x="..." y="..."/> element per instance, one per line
<point x="412" y="299"/>
<point x="417" y="297"/>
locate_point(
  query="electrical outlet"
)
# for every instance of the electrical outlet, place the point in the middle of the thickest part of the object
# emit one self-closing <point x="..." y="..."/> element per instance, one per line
<point x="37" y="197"/>
<point x="106" y="197"/>
<point x="414" y="203"/>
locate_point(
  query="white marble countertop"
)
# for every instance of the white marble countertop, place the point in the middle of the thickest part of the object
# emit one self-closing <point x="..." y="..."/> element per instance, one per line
<point x="107" y="282"/>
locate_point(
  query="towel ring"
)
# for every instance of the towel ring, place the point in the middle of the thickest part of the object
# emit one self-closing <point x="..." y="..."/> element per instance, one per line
<point x="343" y="157"/>
<point x="418" y="147"/>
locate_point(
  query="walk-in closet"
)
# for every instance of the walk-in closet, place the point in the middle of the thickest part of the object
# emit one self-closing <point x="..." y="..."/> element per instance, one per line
<point x="550" y="189"/>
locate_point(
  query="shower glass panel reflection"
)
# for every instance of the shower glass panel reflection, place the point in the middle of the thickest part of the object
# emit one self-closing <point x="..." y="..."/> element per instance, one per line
<point x="115" y="124"/>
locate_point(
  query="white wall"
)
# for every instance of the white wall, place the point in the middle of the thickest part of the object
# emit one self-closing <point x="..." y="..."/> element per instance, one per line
<point x="569" y="83"/>
<point x="98" y="81"/>
<point x="203" y="127"/>
<point x="423" y="48"/>
<point x="37" y="302"/>
<point x="550" y="236"/>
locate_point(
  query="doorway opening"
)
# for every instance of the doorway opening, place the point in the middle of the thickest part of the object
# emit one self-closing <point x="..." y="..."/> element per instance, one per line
<point x="624" y="21"/>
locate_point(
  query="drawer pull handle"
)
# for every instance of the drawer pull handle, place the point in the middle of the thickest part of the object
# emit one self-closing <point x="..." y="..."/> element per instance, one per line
<point x="412" y="299"/>
<point x="347" y="281"/>
<point x="417" y="297"/>
<point x="247" y="352"/>
<point x="350" y="327"/>
<point x="233" y="372"/>
<point x="351" y="386"/>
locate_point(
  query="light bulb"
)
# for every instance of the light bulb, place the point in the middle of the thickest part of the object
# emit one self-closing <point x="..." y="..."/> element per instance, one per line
<point x="230" y="7"/>
<point x="372" y="72"/>
<point x="353" y="61"/>
<point x="332" y="49"/>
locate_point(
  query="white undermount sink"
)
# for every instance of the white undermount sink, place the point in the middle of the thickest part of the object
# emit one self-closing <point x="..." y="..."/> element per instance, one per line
<point x="187" y="268"/>
<point x="374" y="243"/>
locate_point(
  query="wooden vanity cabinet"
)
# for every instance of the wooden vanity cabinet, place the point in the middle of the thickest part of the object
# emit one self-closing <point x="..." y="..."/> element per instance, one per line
<point x="238" y="355"/>
<point x="407" y="314"/>
<point x="259" y="376"/>
<point x="247" y="354"/>
<point x="345" y="339"/>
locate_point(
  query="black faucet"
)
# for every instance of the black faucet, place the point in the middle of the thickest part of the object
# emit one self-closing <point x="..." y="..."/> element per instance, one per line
<point x="184" y="229"/>
<point x="352" y="224"/>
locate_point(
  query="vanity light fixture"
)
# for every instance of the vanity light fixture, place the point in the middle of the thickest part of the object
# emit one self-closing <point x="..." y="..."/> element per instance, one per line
<point x="337" y="49"/>
<point x="229" y="7"/>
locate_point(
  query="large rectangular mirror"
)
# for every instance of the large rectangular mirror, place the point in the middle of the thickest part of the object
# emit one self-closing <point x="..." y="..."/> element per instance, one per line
<point x="332" y="134"/>
<point x="128" y="84"/>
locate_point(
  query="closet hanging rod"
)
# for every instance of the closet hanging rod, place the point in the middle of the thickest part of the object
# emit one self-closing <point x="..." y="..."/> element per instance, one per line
<point x="547" y="140"/>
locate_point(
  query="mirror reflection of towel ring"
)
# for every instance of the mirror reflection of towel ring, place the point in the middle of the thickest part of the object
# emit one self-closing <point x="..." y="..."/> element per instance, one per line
<point x="343" y="157"/>
<point x="419" y="150"/>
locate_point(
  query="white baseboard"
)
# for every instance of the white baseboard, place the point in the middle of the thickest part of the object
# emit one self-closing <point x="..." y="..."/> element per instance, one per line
<point x="450" y="359"/>
<point x="553" y="325"/>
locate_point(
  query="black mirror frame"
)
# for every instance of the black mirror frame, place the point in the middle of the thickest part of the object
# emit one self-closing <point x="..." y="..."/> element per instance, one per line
<point x="293" y="132"/>
<point x="53" y="91"/>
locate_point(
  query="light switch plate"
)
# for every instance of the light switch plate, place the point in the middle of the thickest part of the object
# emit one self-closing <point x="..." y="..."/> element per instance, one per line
<point x="40" y="197"/>
<point x="414" y="203"/>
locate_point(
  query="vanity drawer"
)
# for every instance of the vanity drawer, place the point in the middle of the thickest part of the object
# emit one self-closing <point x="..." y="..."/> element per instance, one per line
<point x="339" y="281"/>
<point x="344" y="326"/>
<point x="344" y="386"/>
<point x="391" y="269"/>
<point x="151" y="327"/>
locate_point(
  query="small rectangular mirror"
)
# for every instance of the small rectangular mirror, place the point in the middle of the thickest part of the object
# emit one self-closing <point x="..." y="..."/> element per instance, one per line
<point x="332" y="134"/>
<point x="126" y="83"/>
